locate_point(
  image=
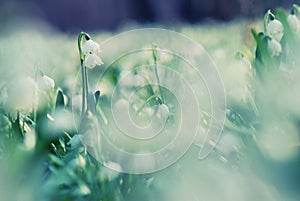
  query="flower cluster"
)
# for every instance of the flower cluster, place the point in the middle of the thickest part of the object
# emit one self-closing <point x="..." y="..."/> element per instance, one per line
<point x="275" y="30"/>
<point x="26" y="94"/>
<point x="91" y="51"/>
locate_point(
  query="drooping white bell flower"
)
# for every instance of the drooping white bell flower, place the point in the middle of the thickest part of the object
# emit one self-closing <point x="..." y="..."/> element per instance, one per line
<point x="293" y="22"/>
<point x="274" y="47"/>
<point x="275" y="29"/>
<point x="92" y="60"/>
<point x="45" y="83"/>
<point x="90" y="46"/>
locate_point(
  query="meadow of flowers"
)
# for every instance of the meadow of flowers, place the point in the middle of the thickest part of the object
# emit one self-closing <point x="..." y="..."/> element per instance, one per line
<point x="59" y="92"/>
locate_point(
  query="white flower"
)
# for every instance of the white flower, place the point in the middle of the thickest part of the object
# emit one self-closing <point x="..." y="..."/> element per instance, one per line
<point x="22" y="94"/>
<point x="77" y="102"/>
<point x="45" y="83"/>
<point x="275" y="29"/>
<point x="274" y="47"/>
<point x="92" y="60"/>
<point x="293" y="22"/>
<point x="90" y="47"/>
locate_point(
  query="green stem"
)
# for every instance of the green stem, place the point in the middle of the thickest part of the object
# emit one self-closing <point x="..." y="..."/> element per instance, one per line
<point x="83" y="70"/>
<point x="155" y="57"/>
<point x="87" y="86"/>
<point x="83" y="90"/>
<point x="266" y="19"/>
<point x="36" y="102"/>
<point x="79" y="43"/>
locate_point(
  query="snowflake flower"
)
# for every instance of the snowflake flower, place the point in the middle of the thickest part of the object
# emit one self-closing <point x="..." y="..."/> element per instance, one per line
<point x="293" y="22"/>
<point x="90" y="46"/>
<point x="275" y="29"/>
<point x="92" y="60"/>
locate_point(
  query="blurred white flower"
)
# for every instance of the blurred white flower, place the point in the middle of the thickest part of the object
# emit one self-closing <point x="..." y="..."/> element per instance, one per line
<point x="278" y="140"/>
<point x="77" y="102"/>
<point x="131" y="79"/>
<point x="92" y="60"/>
<point x="54" y="125"/>
<point x="90" y="46"/>
<point x="275" y="29"/>
<point x="22" y="94"/>
<point x="274" y="47"/>
<point x="45" y="83"/>
<point x="293" y="22"/>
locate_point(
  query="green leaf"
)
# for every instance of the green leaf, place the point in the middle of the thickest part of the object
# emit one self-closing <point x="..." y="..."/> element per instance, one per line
<point x="60" y="102"/>
<point x="97" y="96"/>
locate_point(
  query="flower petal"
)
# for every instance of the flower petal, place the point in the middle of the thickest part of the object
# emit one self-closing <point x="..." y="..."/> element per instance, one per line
<point x="90" y="46"/>
<point x="274" y="47"/>
<point x="275" y="29"/>
<point x="92" y="60"/>
<point x="293" y="23"/>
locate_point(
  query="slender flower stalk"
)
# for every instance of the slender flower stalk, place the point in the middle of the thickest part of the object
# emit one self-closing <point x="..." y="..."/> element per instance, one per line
<point x="83" y="71"/>
<point x="88" y="52"/>
<point x="155" y="57"/>
<point x="266" y="20"/>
